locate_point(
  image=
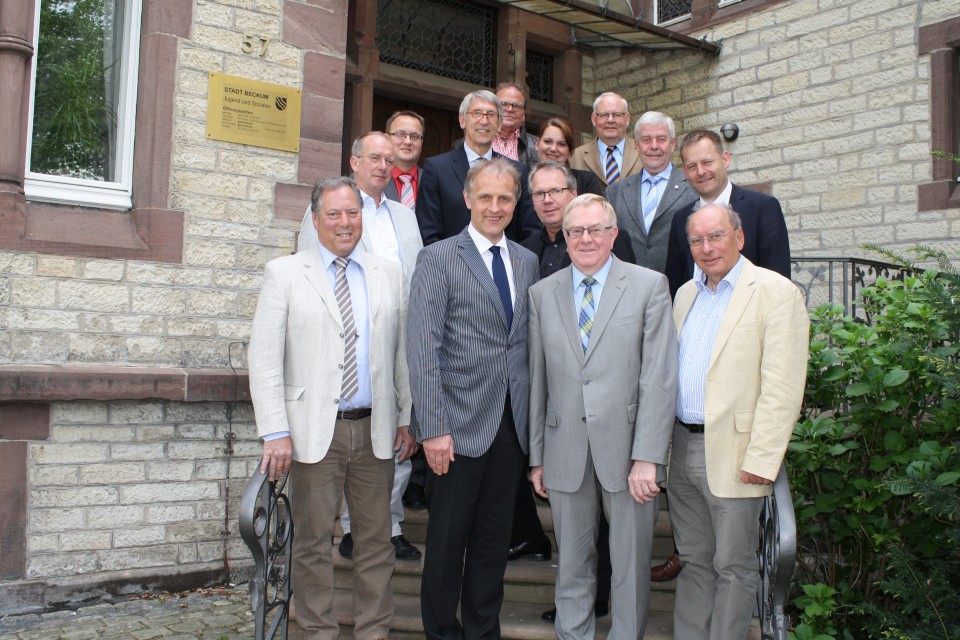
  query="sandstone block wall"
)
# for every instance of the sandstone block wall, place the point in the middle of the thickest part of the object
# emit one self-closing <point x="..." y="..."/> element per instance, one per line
<point x="832" y="100"/>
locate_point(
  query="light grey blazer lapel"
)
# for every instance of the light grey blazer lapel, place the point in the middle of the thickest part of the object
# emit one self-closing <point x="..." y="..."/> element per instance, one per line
<point x="612" y="292"/>
<point x="567" y="312"/>
<point x="672" y="192"/>
<point x="316" y="275"/>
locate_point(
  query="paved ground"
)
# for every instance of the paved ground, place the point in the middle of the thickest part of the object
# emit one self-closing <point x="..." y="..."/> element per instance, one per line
<point x="210" y="614"/>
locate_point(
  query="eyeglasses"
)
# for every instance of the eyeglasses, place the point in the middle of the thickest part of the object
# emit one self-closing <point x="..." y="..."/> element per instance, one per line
<point x="507" y="106"/>
<point x="376" y="158"/>
<point x="480" y="115"/>
<point x="401" y="135"/>
<point x="538" y="196"/>
<point x="713" y="238"/>
<point x="616" y="115"/>
<point x="596" y="231"/>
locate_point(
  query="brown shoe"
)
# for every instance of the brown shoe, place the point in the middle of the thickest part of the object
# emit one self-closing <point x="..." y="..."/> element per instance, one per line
<point x="666" y="571"/>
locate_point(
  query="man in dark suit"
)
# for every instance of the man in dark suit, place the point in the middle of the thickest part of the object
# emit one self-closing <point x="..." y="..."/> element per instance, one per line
<point x="441" y="210"/>
<point x="705" y="164"/>
<point x="467" y="350"/>
<point x="647" y="201"/>
<point x="406" y="129"/>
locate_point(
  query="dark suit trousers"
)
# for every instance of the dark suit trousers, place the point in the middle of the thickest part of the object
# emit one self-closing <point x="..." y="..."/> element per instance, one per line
<point x="468" y="537"/>
<point x="526" y="522"/>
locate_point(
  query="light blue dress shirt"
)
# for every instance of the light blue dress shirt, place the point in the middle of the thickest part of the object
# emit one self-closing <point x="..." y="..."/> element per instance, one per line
<point x="579" y="289"/>
<point x="617" y="153"/>
<point x="696" y="343"/>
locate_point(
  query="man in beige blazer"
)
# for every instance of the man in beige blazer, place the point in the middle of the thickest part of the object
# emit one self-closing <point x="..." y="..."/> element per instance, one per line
<point x="608" y="155"/>
<point x="603" y="372"/>
<point x="744" y="336"/>
<point x="331" y="396"/>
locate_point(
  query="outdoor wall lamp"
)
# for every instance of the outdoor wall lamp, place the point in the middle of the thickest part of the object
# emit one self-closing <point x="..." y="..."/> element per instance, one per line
<point x="730" y="132"/>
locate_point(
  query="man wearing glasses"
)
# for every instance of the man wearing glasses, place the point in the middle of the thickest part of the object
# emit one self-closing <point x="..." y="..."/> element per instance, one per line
<point x="744" y="336"/>
<point x="513" y="140"/>
<point x="608" y="155"/>
<point x="441" y="209"/>
<point x="603" y="376"/>
<point x="406" y="129"/>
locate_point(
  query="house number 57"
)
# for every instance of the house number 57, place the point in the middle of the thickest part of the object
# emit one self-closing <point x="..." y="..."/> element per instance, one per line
<point x="255" y="44"/>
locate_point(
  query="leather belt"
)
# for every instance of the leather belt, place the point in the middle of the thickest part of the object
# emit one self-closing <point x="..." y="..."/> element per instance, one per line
<point x="354" y="414"/>
<point x="692" y="428"/>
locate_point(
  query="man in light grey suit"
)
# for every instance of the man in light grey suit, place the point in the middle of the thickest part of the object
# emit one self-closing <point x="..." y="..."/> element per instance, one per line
<point x="332" y="401"/>
<point x="603" y="371"/>
<point x="467" y="352"/>
<point x="390" y="230"/>
<point x="645" y="202"/>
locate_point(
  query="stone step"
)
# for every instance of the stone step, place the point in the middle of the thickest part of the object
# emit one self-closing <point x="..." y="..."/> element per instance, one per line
<point x="518" y="621"/>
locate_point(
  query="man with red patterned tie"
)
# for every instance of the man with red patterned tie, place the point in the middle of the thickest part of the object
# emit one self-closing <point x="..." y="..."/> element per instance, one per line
<point x="405" y="129"/>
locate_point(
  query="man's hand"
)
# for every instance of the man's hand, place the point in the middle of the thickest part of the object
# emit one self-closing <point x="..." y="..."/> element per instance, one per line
<point x="751" y="478"/>
<point x="642" y="481"/>
<point x="536" y="479"/>
<point x="439" y="453"/>
<point x="277" y="455"/>
<point x="405" y="443"/>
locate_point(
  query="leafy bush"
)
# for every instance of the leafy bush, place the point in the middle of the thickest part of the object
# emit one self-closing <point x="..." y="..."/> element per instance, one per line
<point x="881" y="404"/>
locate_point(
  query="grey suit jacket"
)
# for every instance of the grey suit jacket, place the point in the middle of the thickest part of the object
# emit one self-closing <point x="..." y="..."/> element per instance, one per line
<point x="618" y="400"/>
<point x="625" y="196"/>
<point x="462" y="357"/>
<point x="404" y="223"/>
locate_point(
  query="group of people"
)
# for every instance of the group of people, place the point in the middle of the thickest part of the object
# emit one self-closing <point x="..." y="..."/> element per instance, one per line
<point x="526" y="313"/>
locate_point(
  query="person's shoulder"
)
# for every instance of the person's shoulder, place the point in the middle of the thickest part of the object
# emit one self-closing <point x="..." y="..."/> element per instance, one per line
<point x="753" y="197"/>
<point x="441" y="159"/>
<point x="586" y="147"/>
<point x="548" y="283"/>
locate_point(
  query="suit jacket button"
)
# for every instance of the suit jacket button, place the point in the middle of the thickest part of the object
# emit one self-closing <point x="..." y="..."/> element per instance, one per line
<point x="583" y="419"/>
<point x="337" y="401"/>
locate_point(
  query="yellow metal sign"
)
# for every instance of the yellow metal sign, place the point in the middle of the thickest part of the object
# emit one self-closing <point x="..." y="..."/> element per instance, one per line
<point x="251" y="112"/>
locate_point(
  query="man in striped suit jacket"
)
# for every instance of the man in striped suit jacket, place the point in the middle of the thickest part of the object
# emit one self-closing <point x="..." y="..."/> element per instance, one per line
<point x="467" y="354"/>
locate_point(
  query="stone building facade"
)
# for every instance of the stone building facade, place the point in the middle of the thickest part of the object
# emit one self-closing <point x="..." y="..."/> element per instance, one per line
<point x="126" y="433"/>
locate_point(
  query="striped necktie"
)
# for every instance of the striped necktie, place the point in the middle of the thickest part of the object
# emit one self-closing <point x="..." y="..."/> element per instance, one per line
<point x="650" y="201"/>
<point x="351" y="379"/>
<point x="407" y="197"/>
<point x="587" y="309"/>
<point x="611" y="169"/>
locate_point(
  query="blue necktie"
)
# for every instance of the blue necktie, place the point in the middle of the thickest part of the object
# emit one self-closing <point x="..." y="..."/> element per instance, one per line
<point x="503" y="285"/>
<point x="650" y="202"/>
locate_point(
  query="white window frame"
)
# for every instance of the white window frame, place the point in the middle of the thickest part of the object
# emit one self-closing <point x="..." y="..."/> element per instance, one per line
<point x="724" y="3"/>
<point x="111" y="195"/>
<point x="671" y="21"/>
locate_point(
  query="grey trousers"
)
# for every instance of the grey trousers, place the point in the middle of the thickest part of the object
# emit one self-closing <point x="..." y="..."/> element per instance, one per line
<point x="717" y="539"/>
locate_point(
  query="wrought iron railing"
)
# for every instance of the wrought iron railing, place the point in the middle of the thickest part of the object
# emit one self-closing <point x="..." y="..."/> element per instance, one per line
<point x="266" y="526"/>
<point x="839" y="280"/>
<point x="778" y="554"/>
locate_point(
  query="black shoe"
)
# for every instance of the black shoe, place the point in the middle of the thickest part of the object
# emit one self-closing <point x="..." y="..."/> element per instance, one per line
<point x="405" y="550"/>
<point x="600" y="609"/>
<point x="346" y="546"/>
<point x="531" y="550"/>
<point x="414" y="497"/>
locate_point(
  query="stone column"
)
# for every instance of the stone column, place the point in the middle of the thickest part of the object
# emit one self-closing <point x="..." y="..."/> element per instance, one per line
<point x="16" y="51"/>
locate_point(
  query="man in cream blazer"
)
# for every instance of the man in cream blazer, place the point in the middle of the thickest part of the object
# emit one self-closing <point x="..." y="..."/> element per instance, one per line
<point x="744" y="336"/>
<point x="601" y="416"/>
<point x="332" y="402"/>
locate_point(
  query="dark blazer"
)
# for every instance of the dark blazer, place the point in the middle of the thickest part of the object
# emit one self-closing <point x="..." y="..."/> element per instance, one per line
<point x="536" y="243"/>
<point x="587" y="182"/>
<point x="441" y="210"/>
<point x="765" y="241"/>
<point x="390" y="191"/>
<point x="625" y="196"/>
<point x="461" y="353"/>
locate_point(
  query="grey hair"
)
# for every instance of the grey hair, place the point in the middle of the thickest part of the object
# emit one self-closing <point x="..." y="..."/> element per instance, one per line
<point x="586" y="200"/>
<point x="481" y="94"/>
<point x="327" y="184"/>
<point x="562" y="167"/>
<point x="732" y="216"/>
<point x="655" y="117"/>
<point x="626" y="105"/>
<point x="357" y="147"/>
<point x="497" y="166"/>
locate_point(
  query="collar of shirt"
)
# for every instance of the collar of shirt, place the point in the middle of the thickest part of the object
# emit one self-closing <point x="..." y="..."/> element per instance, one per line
<point x="723" y="198"/>
<point x="396" y="172"/>
<point x="368" y="203"/>
<point x="483" y="244"/>
<point x="729" y="280"/>
<point x="472" y="155"/>
<point x="665" y="174"/>
<point x="356" y="256"/>
<point x="559" y="239"/>
<point x="579" y="288"/>
<point x="602" y="148"/>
